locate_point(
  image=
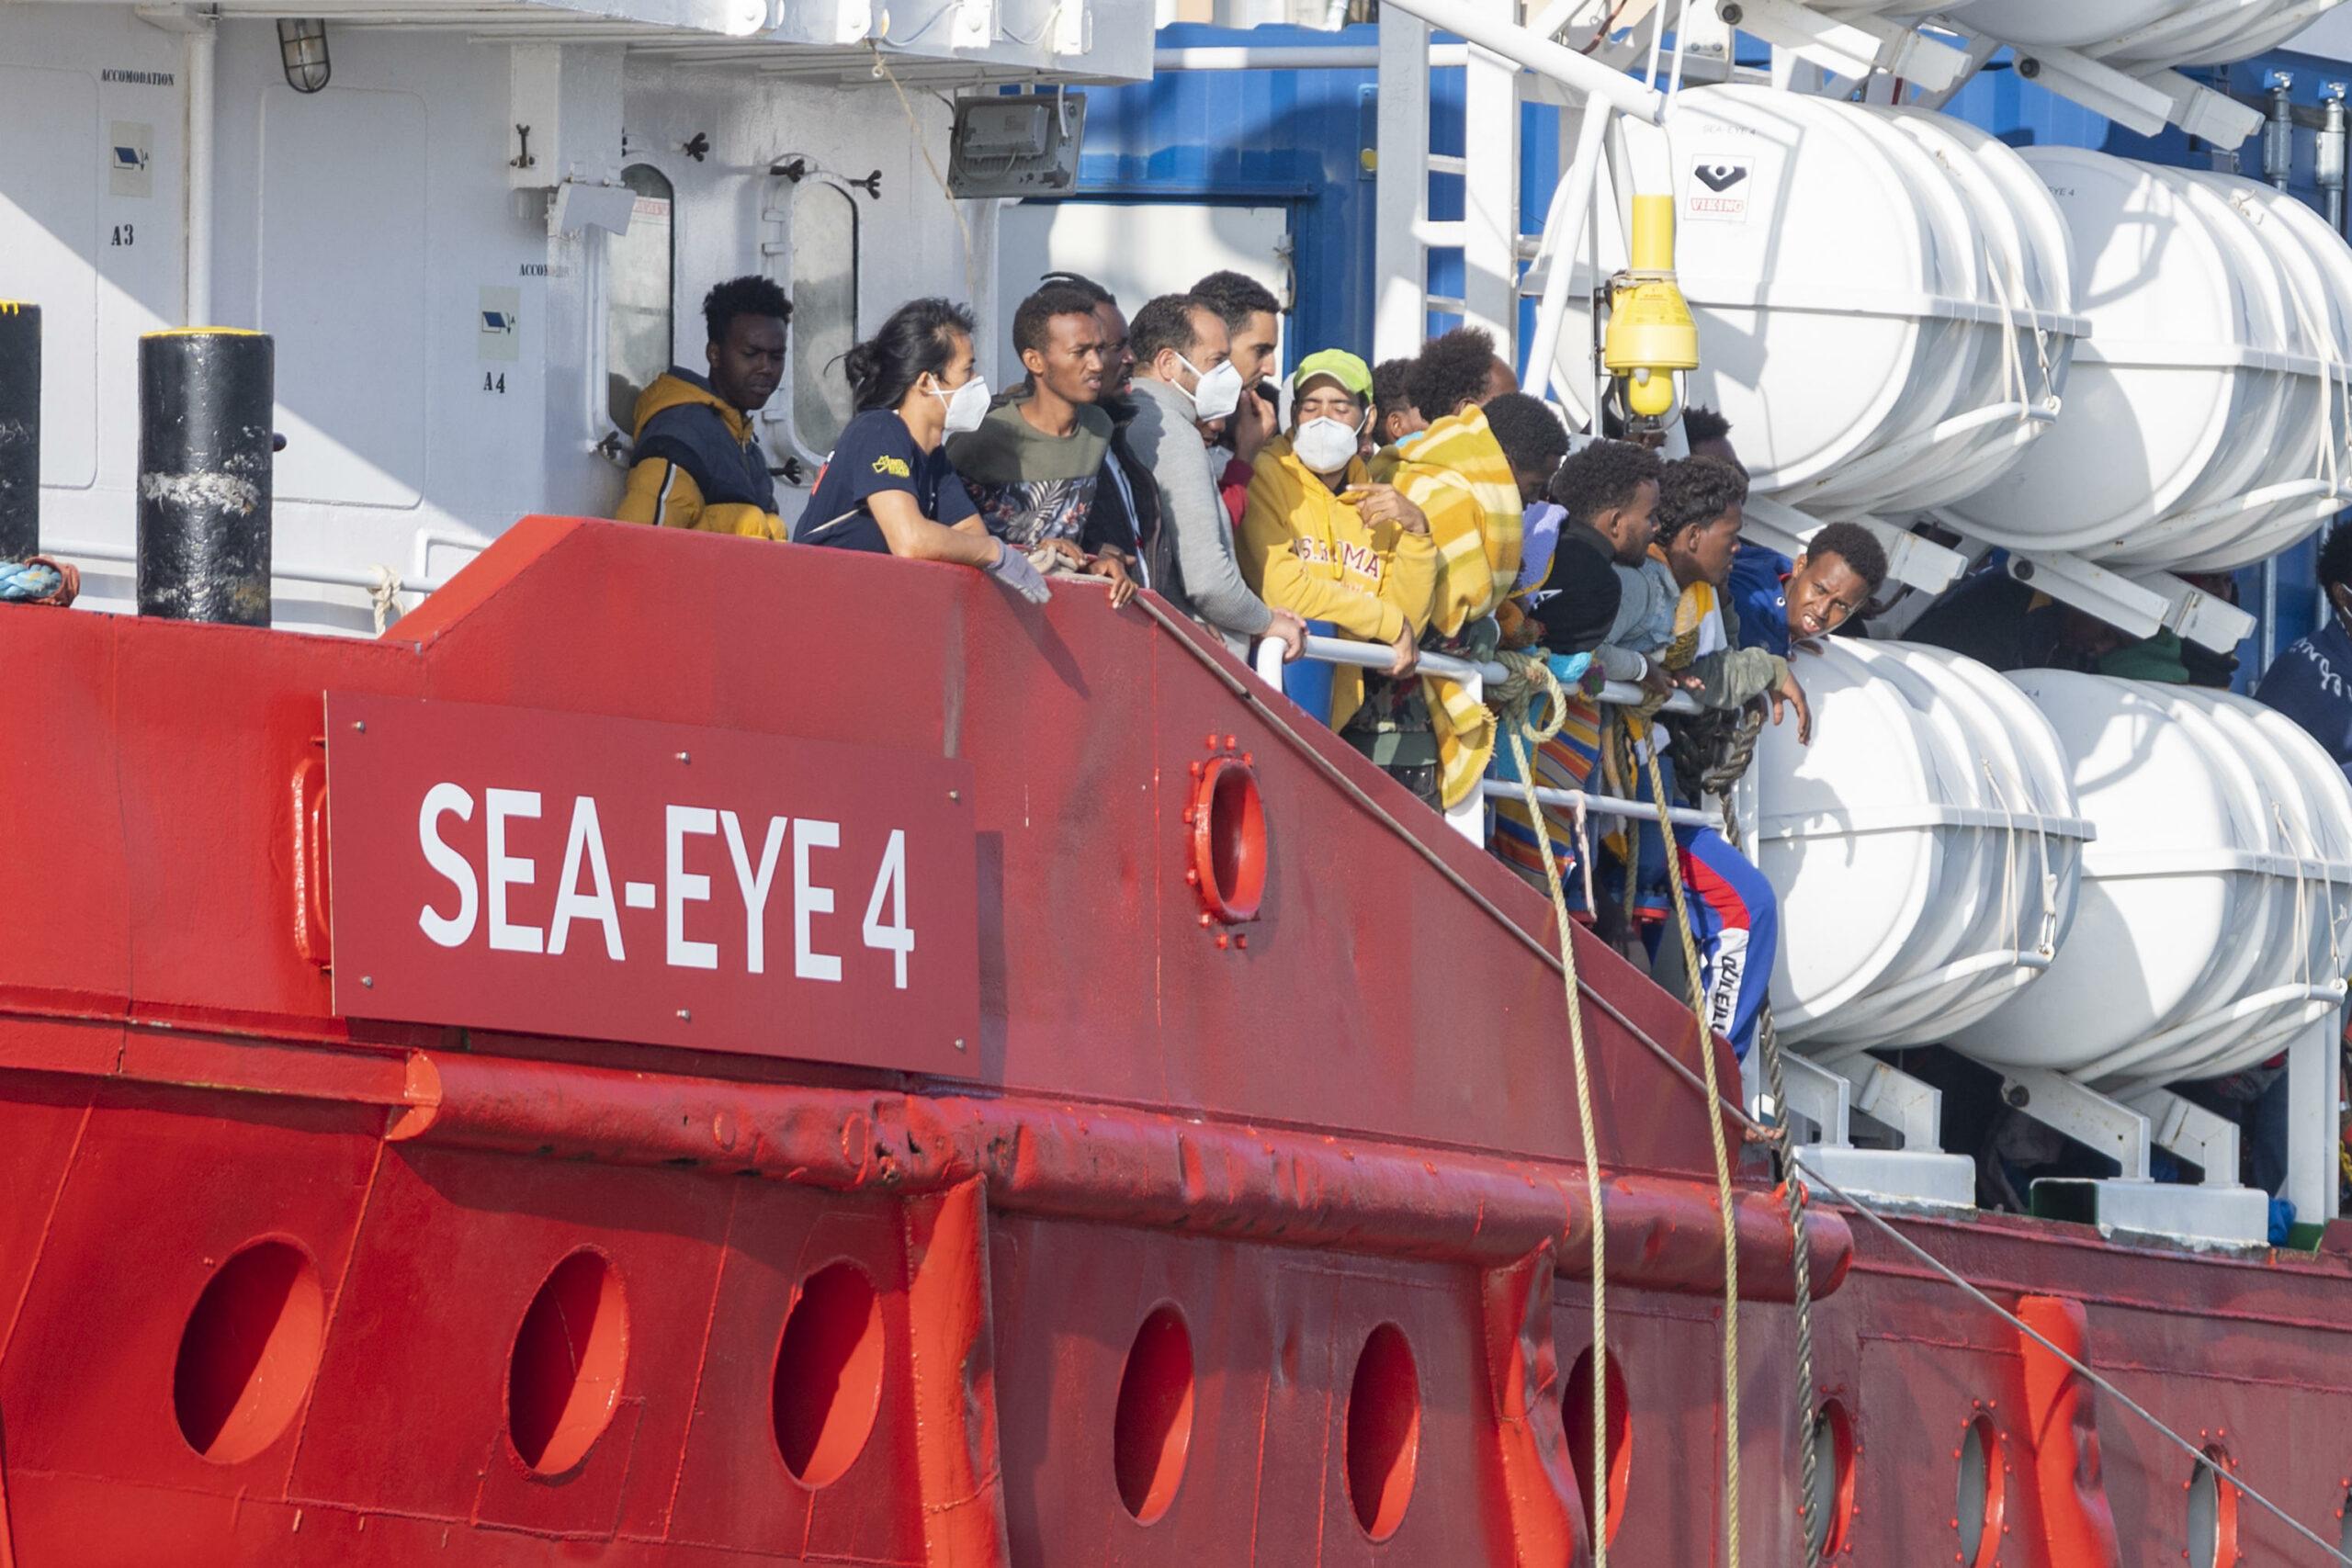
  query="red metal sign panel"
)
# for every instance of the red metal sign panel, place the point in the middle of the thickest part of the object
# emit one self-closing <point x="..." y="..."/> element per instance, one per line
<point x="612" y="879"/>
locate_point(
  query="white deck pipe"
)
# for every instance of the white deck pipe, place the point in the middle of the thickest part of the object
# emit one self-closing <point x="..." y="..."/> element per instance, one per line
<point x="197" y="309"/>
<point x="1578" y="73"/>
<point x="1306" y="57"/>
<point x="1564" y="232"/>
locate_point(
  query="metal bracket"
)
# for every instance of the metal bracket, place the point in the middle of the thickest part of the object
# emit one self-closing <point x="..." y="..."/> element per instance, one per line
<point x="2142" y="605"/>
<point x="1855" y="47"/>
<point x="2182" y="1127"/>
<point x="176" y="18"/>
<point x="2099" y="87"/>
<point x="2145" y="103"/>
<point x="1913" y="1111"/>
<point x="2200" y="111"/>
<point x="2092" y="1120"/>
<point x="1919" y="1172"/>
<point x="2195" y="615"/>
<point x="1814" y="1093"/>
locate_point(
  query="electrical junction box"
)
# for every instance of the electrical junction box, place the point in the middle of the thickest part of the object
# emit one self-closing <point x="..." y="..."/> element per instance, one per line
<point x="1026" y="144"/>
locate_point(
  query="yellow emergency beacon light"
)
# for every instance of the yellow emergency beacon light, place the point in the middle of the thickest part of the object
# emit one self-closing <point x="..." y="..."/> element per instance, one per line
<point x="1650" y="334"/>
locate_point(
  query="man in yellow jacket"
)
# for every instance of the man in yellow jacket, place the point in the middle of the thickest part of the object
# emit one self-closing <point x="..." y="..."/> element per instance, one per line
<point x="1319" y="538"/>
<point x="698" y="461"/>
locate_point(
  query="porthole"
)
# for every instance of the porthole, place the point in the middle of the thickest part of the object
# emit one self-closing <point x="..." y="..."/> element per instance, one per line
<point x="1981" y="1498"/>
<point x="1384" y="1431"/>
<point x="1152" y="1426"/>
<point x="1576" y="1416"/>
<point x="248" y="1352"/>
<point x="1830" y="1517"/>
<point x="2213" y="1512"/>
<point x="827" y="1382"/>
<point x="563" y="1377"/>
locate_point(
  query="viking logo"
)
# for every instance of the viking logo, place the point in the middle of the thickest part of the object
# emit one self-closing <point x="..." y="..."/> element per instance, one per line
<point x="1720" y="177"/>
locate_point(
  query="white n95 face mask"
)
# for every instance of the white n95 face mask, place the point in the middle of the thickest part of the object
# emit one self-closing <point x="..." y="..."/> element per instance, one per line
<point x="1218" y="392"/>
<point x="966" y="407"/>
<point x="1325" y="444"/>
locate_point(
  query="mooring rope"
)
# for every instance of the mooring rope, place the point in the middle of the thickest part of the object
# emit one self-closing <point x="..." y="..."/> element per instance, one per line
<point x="1522" y="730"/>
<point x="1721" y="1146"/>
<point x="1250" y="694"/>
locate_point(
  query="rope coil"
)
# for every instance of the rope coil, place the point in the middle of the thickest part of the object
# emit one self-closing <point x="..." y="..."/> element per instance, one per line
<point x="39" y="581"/>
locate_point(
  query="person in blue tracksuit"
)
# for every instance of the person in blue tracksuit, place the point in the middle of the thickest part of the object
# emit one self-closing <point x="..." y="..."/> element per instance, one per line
<point x="2307" y="682"/>
<point x="1784" y="604"/>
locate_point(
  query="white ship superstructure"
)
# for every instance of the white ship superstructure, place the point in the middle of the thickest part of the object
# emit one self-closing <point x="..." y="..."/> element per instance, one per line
<point x="492" y="225"/>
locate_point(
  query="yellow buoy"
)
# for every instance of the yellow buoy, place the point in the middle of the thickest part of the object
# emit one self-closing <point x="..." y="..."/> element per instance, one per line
<point x="1650" y="334"/>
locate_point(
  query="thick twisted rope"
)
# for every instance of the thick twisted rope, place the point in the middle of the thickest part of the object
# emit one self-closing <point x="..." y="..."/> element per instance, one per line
<point x="39" y="581"/>
<point x="1532" y="675"/>
<point x="1723" y="1162"/>
<point x="1812" y="1535"/>
<point x="1252" y="694"/>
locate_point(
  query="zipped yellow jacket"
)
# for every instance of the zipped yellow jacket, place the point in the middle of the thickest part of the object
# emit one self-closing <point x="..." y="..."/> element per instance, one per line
<point x="1304" y="549"/>
<point x="698" y="463"/>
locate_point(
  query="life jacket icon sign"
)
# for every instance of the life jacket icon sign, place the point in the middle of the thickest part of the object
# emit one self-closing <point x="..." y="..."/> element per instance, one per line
<point x="498" y="323"/>
<point x="130" y="158"/>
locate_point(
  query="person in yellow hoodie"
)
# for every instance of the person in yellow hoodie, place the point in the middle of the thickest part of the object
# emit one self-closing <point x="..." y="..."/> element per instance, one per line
<point x="1472" y="472"/>
<point x="698" y="463"/>
<point x="1319" y="538"/>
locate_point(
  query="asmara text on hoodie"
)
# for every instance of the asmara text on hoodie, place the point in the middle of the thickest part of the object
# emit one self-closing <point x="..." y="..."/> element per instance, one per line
<point x="1305" y="548"/>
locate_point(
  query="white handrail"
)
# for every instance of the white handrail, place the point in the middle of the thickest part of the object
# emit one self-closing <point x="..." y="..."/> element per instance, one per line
<point x="1578" y="73"/>
<point x="316" y="576"/>
<point x="1469" y="818"/>
<point x="1599" y="804"/>
<point x="1445" y="667"/>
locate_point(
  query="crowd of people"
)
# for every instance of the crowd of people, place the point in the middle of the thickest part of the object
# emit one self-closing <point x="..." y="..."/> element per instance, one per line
<point x="1426" y="506"/>
<point x="1421" y="505"/>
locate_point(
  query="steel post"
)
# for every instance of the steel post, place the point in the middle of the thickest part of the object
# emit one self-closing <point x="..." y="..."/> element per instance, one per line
<point x="19" y="430"/>
<point x="205" y="400"/>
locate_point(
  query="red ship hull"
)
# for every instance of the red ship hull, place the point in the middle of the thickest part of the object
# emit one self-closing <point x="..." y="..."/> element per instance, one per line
<point x="1264" y="1254"/>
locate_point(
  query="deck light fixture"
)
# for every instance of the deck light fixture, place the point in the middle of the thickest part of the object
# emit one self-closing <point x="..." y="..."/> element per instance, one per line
<point x="303" y="46"/>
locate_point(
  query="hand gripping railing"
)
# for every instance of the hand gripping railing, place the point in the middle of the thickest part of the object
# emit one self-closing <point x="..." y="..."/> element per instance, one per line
<point x="1469" y="819"/>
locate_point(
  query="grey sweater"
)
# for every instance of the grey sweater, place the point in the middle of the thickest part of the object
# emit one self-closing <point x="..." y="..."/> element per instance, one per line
<point x="1209" y="586"/>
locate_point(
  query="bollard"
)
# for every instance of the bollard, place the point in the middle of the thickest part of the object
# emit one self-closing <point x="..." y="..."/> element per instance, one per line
<point x="206" y="397"/>
<point x="19" y="431"/>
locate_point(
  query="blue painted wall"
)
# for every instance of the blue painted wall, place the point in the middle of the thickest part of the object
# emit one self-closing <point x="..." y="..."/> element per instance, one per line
<point x="1302" y="137"/>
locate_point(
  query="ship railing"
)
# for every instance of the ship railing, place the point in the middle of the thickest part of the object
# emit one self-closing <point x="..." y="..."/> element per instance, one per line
<point x="1469" y="819"/>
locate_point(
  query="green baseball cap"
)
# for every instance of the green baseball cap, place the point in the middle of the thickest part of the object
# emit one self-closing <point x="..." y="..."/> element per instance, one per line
<point x="1351" y="373"/>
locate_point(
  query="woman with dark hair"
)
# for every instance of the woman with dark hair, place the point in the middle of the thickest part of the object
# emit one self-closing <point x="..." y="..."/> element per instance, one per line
<point x="888" y="487"/>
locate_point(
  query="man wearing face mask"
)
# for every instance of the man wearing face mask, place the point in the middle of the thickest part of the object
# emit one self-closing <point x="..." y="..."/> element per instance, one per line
<point x="1184" y="379"/>
<point x="1319" y="538"/>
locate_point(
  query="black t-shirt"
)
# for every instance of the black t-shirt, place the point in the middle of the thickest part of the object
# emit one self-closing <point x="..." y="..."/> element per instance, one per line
<point x="876" y="453"/>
